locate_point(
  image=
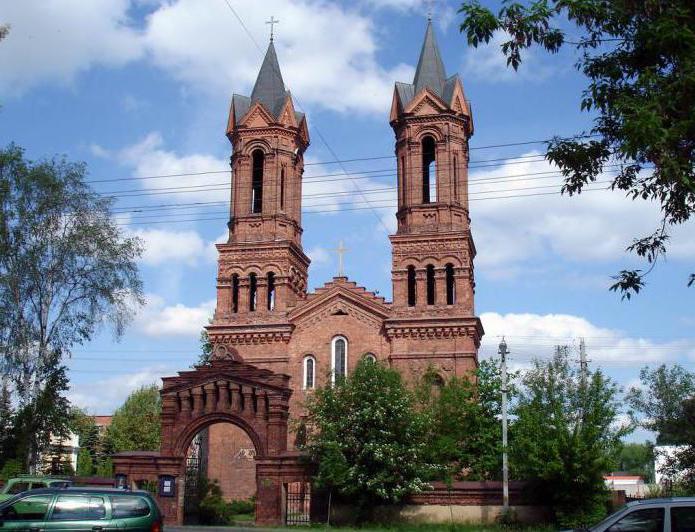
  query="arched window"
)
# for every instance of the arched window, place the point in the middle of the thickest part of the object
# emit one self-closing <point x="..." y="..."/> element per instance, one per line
<point x="429" y="171"/>
<point x="271" y="291"/>
<point x="436" y="384"/>
<point x="253" y="292"/>
<point x="450" y="285"/>
<point x="430" y="285"/>
<point x="456" y="180"/>
<point x="339" y="354"/>
<point x="258" y="160"/>
<point x="369" y="357"/>
<point x="412" y="287"/>
<point x="235" y="293"/>
<point x="404" y="183"/>
<point x="309" y="372"/>
<point x="282" y="188"/>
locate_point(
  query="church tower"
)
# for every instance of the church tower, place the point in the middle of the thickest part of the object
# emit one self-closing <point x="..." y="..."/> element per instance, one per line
<point x="434" y="321"/>
<point x="262" y="270"/>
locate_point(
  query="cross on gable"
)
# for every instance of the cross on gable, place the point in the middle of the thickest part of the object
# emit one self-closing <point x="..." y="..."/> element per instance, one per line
<point x="272" y="23"/>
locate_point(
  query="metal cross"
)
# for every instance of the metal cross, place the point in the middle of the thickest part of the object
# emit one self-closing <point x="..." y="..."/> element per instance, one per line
<point x="341" y="249"/>
<point x="272" y="23"/>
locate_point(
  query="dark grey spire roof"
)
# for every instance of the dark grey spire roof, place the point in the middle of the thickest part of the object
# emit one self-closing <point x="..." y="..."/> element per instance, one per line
<point x="269" y="88"/>
<point x="430" y="69"/>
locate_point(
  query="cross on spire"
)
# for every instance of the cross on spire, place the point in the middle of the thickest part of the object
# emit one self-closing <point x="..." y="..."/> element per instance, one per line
<point x="272" y="23"/>
<point x="430" y="8"/>
<point x="341" y="249"/>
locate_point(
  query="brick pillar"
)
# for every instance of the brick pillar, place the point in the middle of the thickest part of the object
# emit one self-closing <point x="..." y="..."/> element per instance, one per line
<point x="197" y="394"/>
<point x="223" y="397"/>
<point x="243" y="294"/>
<point x="234" y="398"/>
<point x="421" y="288"/>
<point x="185" y="397"/>
<point x="439" y="286"/>
<point x="277" y="424"/>
<point x="248" y="400"/>
<point x="464" y="289"/>
<point x="261" y="294"/>
<point x="210" y="397"/>
<point x="224" y="298"/>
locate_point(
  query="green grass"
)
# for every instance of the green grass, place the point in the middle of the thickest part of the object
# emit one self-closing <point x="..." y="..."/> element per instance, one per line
<point x="437" y="528"/>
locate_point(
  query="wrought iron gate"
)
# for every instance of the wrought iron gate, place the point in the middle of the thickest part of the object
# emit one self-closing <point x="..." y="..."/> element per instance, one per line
<point x="297" y="503"/>
<point x="196" y="468"/>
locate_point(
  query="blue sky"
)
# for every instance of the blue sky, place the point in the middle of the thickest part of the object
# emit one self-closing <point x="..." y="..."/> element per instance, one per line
<point x="137" y="88"/>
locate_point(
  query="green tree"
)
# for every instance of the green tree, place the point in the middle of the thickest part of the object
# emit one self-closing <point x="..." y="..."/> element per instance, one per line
<point x="367" y="437"/>
<point x="84" y="425"/>
<point x="6" y="425"/>
<point x="658" y="403"/>
<point x="104" y="468"/>
<point x="639" y="59"/>
<point x="566" y="436"/>
<point x="637" y="459"/>
<point x="85" y="464"/>
<point x="205" y="349"/>
<point x="136" y="424"/>
<point x="465" y="435"/>
<point x="66" y="268"/>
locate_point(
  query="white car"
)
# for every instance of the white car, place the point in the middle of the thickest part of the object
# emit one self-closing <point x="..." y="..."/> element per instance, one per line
<point x="676" y="514"/>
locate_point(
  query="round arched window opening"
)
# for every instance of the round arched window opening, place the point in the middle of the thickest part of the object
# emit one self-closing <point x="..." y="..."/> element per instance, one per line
<point x="339" y="358"/>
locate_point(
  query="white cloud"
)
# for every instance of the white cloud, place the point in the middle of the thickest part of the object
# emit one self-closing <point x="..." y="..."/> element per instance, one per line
<point x="163" y="246"/>
<point x="103" y="396"/>
<point x="53" y="40"/>
<point x="534" y="335"/>
<point x="487" y="63"/>
<point x="203" y="45"/>
<point x="160" y="319"/>
<point x="149" y="158"/>
<point x="319" y="255"/>
<point x="594" y="226"/>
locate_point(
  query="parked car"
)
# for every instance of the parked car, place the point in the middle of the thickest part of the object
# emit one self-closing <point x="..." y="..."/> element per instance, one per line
<point x="75" y="509"/>
<point x="676" y="514"/>
<point x="28" y="482"/>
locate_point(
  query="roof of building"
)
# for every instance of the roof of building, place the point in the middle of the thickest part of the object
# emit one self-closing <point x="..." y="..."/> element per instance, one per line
<point x="430" y="73"/>
<point x="103" y="421"/>
<point x="269" y="89"/>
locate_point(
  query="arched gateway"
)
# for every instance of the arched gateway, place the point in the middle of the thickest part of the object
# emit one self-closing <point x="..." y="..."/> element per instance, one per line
<point x="254" y="399"/>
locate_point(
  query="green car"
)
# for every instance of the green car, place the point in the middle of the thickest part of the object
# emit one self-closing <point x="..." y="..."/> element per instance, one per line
<point x="29" y="482"/>
<point x="76" y="509"/>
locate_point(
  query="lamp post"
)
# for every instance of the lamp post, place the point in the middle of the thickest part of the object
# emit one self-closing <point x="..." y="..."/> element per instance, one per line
<point x="505" y="465"/>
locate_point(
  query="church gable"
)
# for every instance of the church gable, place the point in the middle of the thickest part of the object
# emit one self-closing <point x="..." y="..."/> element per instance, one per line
<point x="341" y="298"/>
<point x="287" y="115"/>
<point x="426" y="103"/>
<point x="257" y="116"/>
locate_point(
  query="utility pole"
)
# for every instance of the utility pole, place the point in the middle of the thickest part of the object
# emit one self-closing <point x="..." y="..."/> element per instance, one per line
<point x="505" y="464"/>
<point x="583" y="362"/>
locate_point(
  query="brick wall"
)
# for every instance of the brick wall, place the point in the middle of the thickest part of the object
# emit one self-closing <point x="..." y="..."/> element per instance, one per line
<point x="231" y="461"/>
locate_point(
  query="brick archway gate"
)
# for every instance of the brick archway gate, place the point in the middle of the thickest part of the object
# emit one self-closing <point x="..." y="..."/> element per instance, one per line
<point x="229" y="391"/>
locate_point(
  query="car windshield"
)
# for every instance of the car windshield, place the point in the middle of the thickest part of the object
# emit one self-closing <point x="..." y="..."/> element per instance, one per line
<point x="611" y="516"/>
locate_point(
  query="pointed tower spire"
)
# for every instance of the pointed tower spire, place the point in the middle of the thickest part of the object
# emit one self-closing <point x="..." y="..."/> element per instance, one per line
<point x="430" y="68"/>
<point x="269" y="88"/>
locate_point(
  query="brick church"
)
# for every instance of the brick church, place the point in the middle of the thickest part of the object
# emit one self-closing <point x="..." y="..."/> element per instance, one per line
<point x="265" y="315"/>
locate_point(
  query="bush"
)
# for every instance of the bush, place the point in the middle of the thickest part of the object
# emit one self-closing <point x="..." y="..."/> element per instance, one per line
<point x="214" y="510"/>
<point x="10" y="469"/>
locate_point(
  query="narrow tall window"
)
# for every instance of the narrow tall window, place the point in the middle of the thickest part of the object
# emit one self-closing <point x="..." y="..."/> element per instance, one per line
<point x="338" y="358"/>
<point x="450" y="285"/>
<point x="430" y="284"/>
<point x="429" y="171"/>
<point x="235" y="293"/>
<point x="258" y="160"/>
<point x="412" y="287"/>
<point x="282" y="188"/>
<point x="404" y="183"/>
<point x="253" y="292"/>
<point x="271" y="291"/>
<point x="309" y="370"/>
<point x="456" y="181"/>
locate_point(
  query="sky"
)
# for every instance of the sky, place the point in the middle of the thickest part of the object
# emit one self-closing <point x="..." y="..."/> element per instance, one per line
<point x="141" y="88"/>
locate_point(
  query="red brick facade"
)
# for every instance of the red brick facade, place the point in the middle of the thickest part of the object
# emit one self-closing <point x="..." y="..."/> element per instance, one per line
<point x="273" y="341"/>
<point x="264" y="313"/>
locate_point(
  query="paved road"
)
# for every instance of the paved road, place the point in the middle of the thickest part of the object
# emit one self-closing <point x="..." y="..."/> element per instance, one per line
<point x="194" y="528"/>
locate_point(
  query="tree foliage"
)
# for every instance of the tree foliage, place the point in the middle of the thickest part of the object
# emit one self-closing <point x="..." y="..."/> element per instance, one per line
<point x="659" y="404"/>
<point x="465" y="434"/>
<point x="639" y="58"/>
<point x="65" y="269"/>
<point x="136" y="425"/>
<point x="367" y="437"/>
<point x="637" y="459"/>
<point x="566" y="435"/>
